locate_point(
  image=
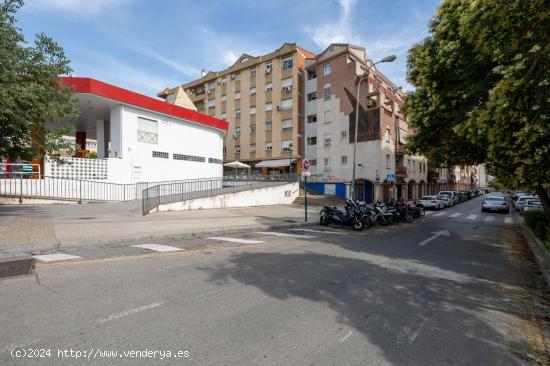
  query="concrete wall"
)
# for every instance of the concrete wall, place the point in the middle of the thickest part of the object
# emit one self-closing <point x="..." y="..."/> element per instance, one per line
<point x="278" y="195"/>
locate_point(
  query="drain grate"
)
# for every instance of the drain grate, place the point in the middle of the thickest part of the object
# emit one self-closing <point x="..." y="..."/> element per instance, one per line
<point x="16" y="268"/>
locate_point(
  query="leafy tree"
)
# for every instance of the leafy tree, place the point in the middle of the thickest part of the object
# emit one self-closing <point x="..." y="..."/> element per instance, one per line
<point x="482" y="90"/>
<point x="31" y="92"/>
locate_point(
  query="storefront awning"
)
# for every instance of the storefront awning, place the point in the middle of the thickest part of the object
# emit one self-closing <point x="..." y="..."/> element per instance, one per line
<point x="274" y="163"/>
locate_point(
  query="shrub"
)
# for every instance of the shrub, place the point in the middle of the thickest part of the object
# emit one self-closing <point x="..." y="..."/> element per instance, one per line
<point x="540" y="229"/>
<point x="533" y="217"/>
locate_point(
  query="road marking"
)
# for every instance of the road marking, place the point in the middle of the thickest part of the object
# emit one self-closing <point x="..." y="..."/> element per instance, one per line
<point x="455" y="214"/>
<point x="236" y="240"/>
<point x="471" y="217"/>
<point x="346" y="336"/>
<point x="436" y="234"/>
<point x="319" y="231"/>
<point x="125" y="313"/>
<point x="508" y="220"/>
<point x="158" y="247"/>
<point x="428" y="213"/>
<point x="55" y="257"/>
<point x="285" y="234"/>
<point x="489" y="219"/>
<point x="439" y="214"/>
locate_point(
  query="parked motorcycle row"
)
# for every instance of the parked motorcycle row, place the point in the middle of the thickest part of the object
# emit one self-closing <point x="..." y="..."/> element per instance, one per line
<point x="358" y="215"/>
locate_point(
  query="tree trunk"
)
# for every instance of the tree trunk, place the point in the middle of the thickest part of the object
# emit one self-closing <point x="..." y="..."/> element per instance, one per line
<point x="544" y="200"/>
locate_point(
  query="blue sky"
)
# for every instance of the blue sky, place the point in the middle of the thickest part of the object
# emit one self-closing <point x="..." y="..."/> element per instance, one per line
<point x="146" y="45"/>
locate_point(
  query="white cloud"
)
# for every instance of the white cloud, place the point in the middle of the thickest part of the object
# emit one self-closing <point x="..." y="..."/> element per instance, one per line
<point x="340" y="31"/>
<point x="229" y="58"/>
<point x="80" y="7"/>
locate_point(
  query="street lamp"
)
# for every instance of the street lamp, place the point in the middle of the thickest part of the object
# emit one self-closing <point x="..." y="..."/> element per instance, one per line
<point x="290" y="158"/>
<point x="365" y="76"/>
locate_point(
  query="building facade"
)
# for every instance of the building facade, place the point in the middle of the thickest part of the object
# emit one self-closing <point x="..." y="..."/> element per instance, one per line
<point x="261" y="98"/>
<point x="383" y="170"/>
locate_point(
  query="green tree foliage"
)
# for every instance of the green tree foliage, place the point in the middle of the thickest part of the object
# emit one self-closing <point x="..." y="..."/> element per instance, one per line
<point x="482" y="90"/>
<point x="30" y="90"/>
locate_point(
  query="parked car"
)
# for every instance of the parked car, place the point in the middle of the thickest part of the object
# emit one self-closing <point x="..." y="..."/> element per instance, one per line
<point x="531" y="205"/>
<point x="433" y="202"/>
<point x="452" y="195"/>
<point x="447" y="201"/>
<point x="521" y="201"/>
<point x="517" y="195"/>
<point x="495" y="203"/>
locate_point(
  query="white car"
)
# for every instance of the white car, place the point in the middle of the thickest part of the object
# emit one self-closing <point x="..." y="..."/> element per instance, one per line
<point x="434" y="202"/>
<point x="447" y="201"/>
<point x="452" y="195"/>
<point x="532" y="205"/>
<point x="521" y="201"/>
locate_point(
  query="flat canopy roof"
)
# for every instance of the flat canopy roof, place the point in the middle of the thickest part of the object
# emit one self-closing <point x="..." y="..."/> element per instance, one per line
<point x="274" y="163"/>
<point x="96" y="87"/>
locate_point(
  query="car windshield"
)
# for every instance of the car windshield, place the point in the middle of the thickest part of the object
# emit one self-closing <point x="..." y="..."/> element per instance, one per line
<point x="534" y="203"/>
<point x="427" y="198"/>
<point x="524" y="198"/>
<point x="494" y="198"/>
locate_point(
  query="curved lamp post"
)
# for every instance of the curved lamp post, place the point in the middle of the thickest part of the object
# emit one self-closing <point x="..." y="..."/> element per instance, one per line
<point x="363" y="77"/>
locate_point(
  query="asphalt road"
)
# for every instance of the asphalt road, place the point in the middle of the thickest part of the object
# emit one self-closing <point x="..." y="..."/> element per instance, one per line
<point x="385" y="296"/>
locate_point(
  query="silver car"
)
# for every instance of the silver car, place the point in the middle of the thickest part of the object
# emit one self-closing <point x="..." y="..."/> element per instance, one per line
<point x="531" y="205"/>
<point x="431" y="202"/>
<point x="521" y="201"/>
<point x="495" y="203"/>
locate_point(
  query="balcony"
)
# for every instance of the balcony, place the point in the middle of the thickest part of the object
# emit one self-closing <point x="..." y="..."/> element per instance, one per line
<point x="400" y="148"/>
<point x="401" y="171"/>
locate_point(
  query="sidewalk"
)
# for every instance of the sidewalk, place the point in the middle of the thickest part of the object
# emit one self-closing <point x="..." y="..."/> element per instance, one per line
<point x="34" y="228"/>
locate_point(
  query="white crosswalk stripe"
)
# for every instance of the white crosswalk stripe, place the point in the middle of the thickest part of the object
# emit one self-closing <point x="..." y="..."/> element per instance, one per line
<point x="428" y="213"/>
<point x="508" y="220"/>
<point x="319" y="231"/>
<point x="440" y="214"/>
<point x="489" y="219"/>
<point x="55" y="257"/>
<point x="285" y="234"/>
<point x="158" y="247"/>
<point x="471" y="217"/>
<point x="236" y="240"/>
<point x="455" y="214"/>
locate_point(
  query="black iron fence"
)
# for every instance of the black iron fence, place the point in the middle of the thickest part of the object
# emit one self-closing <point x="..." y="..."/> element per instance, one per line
<point x="173" y="192"/>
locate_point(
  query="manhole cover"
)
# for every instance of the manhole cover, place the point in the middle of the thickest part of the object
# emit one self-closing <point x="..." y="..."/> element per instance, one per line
<point x="16" y="268"/>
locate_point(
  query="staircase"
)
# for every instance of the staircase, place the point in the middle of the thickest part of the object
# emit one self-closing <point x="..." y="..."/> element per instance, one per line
<point x="318" y="200"/>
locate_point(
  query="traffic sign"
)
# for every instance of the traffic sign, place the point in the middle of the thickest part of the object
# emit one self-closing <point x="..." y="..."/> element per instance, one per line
<point x="306" y="165"/>
<point x="390" y="177"/>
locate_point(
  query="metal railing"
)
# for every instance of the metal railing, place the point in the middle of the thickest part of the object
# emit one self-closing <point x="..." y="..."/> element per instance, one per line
<point x="173" y="192"/>
<point x="23" y="185"/>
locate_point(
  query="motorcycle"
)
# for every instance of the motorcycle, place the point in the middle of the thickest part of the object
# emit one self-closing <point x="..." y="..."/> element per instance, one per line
<point x="386" y="211"/>
<point x="416" y="210"/>
<point x="369" y="217"/>
<point x="351" y="216"/>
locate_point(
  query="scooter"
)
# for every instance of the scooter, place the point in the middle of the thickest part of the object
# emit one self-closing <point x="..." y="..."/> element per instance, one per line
<point x="369" y="217"/>
<point x="351" y="217"/>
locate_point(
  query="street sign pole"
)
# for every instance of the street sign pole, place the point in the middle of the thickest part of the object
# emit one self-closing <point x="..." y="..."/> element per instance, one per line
<point x="305" y="196"/>
<point x="306" y="171"/>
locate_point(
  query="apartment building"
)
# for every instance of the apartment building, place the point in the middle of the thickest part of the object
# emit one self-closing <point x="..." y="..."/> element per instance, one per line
<point x="383" y="169"/>
<point x="261" y="98"/>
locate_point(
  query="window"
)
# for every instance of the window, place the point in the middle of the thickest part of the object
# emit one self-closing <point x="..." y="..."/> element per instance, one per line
<point x="344" y="134"/>
<point x="388" y="161"/>
<point x="372" y="101"/>
<point x="311" y="96"/>
<point x="287" y="63"/>
<point x="224" y="98"/>
<point x="268" y="126"/>
<point x="327" y="116"/>
<point x="212" y="103"/>
<point x="252" y="128"/>
<point x="343" y="160"/>
<point x="237" y="76"/>
<point x="327" y="91"/>
<point x="252" y="147"/>
<point x="268" y="68"/>
<point x="222" y="81"/>
<point x="225" y="150"/>
<point x="312" y="140"/>
<point x="287" y="125"/>
<point x="269" y="146"/>
<point x="161" y="154"/>
<point x="237" y="149"/>
<point x="237" y="132"/>
<point x="269" y="106"/>
<point x="252" y="92"/>
<point x="238" y="95"/>
<point x="414" y="166"/>
<point x="253" y="110"/>
<point x="327" y="139"/>
<point x="198" y="159"/>
<point x="312" y="118"/>
<point x="211" y="86"/>
<point x="327" y="70"/>
<point x="312" y="74"/>
<point x="238" y="113"/>
<point x="224" y="116"/>
<point x="286" y="145"/>
<point x="313" y="162"/>
<point x="286" y="84"/>
<point x="388" y="135"/>
<point x="253" y="73"/>
<point x="287" y="104"/>
<point x="326" y="161"/>
<point x="268" y="87"/>
<point x="215" y="161"/>
<point x="147" y="131"/>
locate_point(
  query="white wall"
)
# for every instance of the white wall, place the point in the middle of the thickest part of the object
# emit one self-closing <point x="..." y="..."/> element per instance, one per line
<point x="278" y="195"/>
<point x="174" y="136"/>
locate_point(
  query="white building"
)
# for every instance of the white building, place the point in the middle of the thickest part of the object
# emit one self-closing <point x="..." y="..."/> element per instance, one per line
<point x="139" y="138"/>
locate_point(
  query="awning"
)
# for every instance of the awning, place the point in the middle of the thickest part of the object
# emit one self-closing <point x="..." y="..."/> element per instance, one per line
<point x="237" y="164"/>
<point x="274" y="163"/>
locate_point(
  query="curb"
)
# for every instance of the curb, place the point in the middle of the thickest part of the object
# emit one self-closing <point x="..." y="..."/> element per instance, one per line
<point x="23" y="250"/>
<point x="542" y="256"/>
